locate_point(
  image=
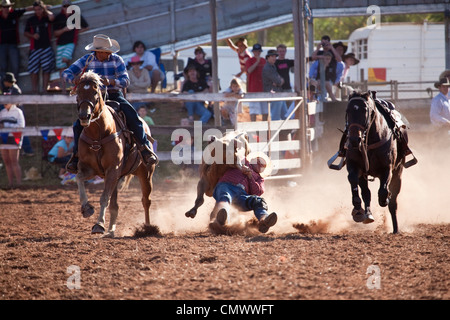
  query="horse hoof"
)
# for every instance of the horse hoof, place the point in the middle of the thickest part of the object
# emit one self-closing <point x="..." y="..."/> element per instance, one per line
<point x="368" y="218"/>
<point x="87" y="210"/>
<point x="358" y="215"/>
<point x="384" y="203"/>
<point x="98" y="229"/>
<point x="190" y="214"/>
<point x="109" y="235"/>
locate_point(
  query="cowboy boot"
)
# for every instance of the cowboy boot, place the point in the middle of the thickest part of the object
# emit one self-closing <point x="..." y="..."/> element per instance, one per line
<point x="148" y="156"/>
<point x="72" y="164"/>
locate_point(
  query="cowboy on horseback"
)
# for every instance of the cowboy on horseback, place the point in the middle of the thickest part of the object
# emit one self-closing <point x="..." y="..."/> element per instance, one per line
<point x="104" y="61"/>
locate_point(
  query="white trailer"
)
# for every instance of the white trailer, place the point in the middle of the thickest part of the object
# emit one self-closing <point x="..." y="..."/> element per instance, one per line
<point x="402" y="52"/>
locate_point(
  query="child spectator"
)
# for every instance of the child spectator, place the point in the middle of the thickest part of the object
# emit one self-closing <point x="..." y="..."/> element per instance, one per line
<point x="241" y="48"/>
<point x="61" y="152"/>
<point x="142" y="111"/>
<point x="228" y="109"/>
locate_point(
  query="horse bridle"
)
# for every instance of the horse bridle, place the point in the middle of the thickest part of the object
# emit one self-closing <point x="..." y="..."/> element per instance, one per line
<point x="90" y="103"/>
<point x="369" y="119"/>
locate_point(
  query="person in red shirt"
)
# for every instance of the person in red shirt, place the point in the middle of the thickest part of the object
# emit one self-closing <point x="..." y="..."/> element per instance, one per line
<point x="254" y="68"/>
<point x="240" y="47"/>
<point x="243" y="187"/>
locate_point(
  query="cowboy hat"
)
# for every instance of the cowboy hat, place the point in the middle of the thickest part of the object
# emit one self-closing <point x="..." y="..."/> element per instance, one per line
<point x="340" y="44"/>
<point x="350" y="55"/>
<point x="7" y="3"/>
<point x="103" y="43"/>
<point x="136" y="60"/>
<point x="442" y="82"/>
<point x="9" y="77"/>
<point x="271" y="53"/>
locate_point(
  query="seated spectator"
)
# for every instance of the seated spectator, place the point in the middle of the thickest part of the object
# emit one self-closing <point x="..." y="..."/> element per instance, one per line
<point x="203" y="65"/>
<point x="333" y="74"/>
<point x="62" y="151"/>
<point x="149" y="63"/>
<point x="142" y="111"/>
<point x="139" y="78"/>
<point x="12" y="117"/>
<point x="228" y="109"/>
<point x="193" y="84"/>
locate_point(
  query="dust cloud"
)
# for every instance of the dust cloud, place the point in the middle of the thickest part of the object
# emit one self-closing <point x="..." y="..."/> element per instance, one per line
<point x="319" y="202"/>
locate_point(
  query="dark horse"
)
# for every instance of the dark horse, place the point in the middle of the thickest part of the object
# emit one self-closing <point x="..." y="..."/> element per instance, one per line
<point x="372" y="150"/>
<point x="106" y="150"/>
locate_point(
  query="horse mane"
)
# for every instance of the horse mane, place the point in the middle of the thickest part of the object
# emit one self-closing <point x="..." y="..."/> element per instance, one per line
<point x="359" y="93"/>
<point x="91" y="76"/>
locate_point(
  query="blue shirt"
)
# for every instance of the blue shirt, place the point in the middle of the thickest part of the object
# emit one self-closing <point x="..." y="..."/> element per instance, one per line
<point x="440" y="110"/>
<point x="314" y="71"/>
<point x="112" y="69"/>
<point x="53" y="153"/>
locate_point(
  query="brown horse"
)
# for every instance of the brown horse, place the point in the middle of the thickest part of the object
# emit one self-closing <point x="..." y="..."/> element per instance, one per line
<point x="106" y="150"/>
<point x="372" y="150"/>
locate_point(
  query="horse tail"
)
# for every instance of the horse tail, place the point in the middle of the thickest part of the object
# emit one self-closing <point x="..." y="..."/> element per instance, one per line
<point x="126" y="182"/>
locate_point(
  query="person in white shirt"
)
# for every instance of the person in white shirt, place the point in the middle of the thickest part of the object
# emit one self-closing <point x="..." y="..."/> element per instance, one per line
<point x="11" y="117"/>
<point x="440" y="105"/>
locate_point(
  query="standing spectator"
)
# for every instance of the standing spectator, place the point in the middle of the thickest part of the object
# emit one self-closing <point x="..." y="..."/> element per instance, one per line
<point x="440" y="106"/>
<point x="194" y="84"/>
<point x="333" y="74"/>
<point x="203" y="65"/>
<point x="38" y="30"/>
<point x="241" y="48"/>
<point x="283" y="66"/>
<point x="66" y="39"/>
<point x="326" y="46"/>
<point x="340" y="48"/>
<point x="149" y="63"/>
<point x="9" y="37"/>
<point x="61" y="152"/>
<point x="273" y="82"/>
<point x="254" y="67"/>
<point x="12" y="117"/>
<point x="349" y="60"/>
<point x="9" y="86"/>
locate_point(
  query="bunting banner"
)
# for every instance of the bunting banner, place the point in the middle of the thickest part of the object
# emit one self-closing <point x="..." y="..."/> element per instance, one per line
<point x="17" y="136"/>
<point x="5" y="137"/>
<point x="58" y="133"/>
<point x="44" y="134"/>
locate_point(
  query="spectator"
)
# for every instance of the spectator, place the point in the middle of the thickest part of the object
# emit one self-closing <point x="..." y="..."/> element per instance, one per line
<point x="349" y="60"/>
<point x="38" y="30"/>
<point x="333" y="74"/>
<point x="66" y="39"/>
<point x="142" y="111"/>
<point x="284" y="66"/>
<point x="194" y="84"/>
<point x="326" y="46"/>
<point x="254" y="67"/>
<point x="139" y="78"/>
<point x="12" y="117"/>
<point x="9" y="37"/>
<point x="243" y="188"/>
<point x="9" y="86"/>
<point x="61" y="152"/>
<point x="241" y="48"/>
<point x="149" y="63"/>
<point x="203" y="65"/>
<point x="228" y="109"/>
<point x="440" y="106"/>
<point x="340" y="48"/>
<point x="273" y="82"/>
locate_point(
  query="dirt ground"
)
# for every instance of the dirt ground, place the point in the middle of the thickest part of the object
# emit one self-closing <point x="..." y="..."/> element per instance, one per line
<point x="47" y="251"/>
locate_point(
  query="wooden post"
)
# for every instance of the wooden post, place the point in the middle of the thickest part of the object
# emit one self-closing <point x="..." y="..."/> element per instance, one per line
<point x="215" y="67"/>
<point x="300" y="75"/>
